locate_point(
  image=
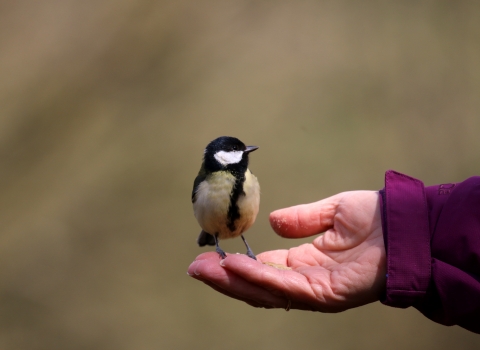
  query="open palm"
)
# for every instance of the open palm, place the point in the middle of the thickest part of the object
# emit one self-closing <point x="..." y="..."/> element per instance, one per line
<point x="342" y="268"/>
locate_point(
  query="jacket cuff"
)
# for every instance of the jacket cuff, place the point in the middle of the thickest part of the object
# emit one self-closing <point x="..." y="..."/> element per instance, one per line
<point x="407" y="240"/>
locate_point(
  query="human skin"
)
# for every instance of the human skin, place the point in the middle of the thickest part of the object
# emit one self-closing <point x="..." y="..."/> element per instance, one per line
<point x="342" y="268"/>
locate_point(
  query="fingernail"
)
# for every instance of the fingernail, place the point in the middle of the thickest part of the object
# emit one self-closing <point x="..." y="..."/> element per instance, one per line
<point x="222" y="262"/>
<point x="193" y="268"/>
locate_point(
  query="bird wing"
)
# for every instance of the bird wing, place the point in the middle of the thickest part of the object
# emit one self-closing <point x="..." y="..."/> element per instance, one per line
<point x="198" y="180"/>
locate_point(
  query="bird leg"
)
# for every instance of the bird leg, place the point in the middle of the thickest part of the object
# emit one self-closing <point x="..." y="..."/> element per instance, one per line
<point x="249" y="251"/>
<point x="218" y="249"/>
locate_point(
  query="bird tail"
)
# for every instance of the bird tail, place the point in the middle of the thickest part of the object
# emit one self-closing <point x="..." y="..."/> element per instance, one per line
<point x="205" y="238"/>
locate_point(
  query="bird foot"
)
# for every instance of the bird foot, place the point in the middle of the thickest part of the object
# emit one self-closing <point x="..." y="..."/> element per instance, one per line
<point x="251" y="255"/>
<point x="221" y="253"/>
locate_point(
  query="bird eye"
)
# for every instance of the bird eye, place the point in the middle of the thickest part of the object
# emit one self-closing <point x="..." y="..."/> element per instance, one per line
<point x="235" y="148"/>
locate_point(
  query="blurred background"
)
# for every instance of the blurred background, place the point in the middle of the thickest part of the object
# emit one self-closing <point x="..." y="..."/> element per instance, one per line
<point x="106" y="107"/>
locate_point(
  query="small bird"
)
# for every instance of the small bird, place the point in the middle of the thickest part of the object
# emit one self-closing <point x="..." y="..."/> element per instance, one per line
<point x="226" y="195"/>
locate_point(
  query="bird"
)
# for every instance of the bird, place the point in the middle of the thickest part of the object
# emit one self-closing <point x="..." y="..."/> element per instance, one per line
<point x="226" y="195"/>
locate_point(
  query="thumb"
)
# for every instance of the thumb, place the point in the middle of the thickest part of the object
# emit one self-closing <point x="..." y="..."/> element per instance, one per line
<point x="306" y="219"/>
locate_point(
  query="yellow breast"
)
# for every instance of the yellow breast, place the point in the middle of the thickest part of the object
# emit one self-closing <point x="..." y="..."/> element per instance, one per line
<point x="213" y="201"/>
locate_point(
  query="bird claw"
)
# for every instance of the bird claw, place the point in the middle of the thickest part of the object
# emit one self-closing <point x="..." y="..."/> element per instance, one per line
<point x="221" y="253"/>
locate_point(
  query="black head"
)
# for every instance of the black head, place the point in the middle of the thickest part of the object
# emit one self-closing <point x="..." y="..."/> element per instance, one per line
<point x="227" y="153"/>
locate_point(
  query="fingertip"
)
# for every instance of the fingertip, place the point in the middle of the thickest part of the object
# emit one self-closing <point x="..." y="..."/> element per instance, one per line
<point x="279" y="222"/>
<point x="273" y="255"/>
<point x="289" y="223"/>
<point x="208" y="258"/>
<point x="318" y="242"/>
<point x="193" y="269"/>
<point x="305" y="219"/>
<point x="234" y="261"/>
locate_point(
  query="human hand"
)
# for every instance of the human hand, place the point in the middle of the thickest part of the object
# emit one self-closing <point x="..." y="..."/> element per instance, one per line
<point x="341" y="269"/>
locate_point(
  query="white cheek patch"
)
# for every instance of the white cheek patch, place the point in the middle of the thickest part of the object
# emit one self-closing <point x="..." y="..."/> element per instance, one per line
<point x="226" y="158"/>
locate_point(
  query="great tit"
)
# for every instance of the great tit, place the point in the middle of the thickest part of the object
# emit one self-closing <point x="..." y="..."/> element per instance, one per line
<point x="226" y="195"/>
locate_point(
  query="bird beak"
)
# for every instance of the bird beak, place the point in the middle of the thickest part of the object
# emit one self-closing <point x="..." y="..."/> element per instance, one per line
<point x="250" y="149"/>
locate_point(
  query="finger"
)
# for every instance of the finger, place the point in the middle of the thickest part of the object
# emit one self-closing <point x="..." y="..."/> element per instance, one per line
<point x="233" y="296"/>
<point x="262" y="300"/>
<point x="287" y="304"/>
<point x="286" y="284"/>
<point x="274" y="256"/>
<point x="227" y="282"/>
<point x="210" y="258"/>
<point x="207" y="256"/>
<point x="305" y="220"/>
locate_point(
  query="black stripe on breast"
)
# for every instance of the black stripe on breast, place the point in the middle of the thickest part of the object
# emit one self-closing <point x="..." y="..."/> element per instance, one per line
<point x="233" y="209"/>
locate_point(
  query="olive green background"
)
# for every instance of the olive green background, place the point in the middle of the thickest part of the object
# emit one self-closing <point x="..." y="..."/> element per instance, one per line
<point x="106" y="107"/>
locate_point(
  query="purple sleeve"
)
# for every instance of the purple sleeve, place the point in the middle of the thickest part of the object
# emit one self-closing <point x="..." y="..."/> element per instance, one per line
<point x="432" y="240"/>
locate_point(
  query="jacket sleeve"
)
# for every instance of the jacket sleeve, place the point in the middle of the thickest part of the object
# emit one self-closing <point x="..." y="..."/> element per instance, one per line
<point x="432" y="240"/>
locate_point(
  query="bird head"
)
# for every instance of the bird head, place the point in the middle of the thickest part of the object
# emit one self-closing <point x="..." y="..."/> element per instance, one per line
<point x="227" y="153"/>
